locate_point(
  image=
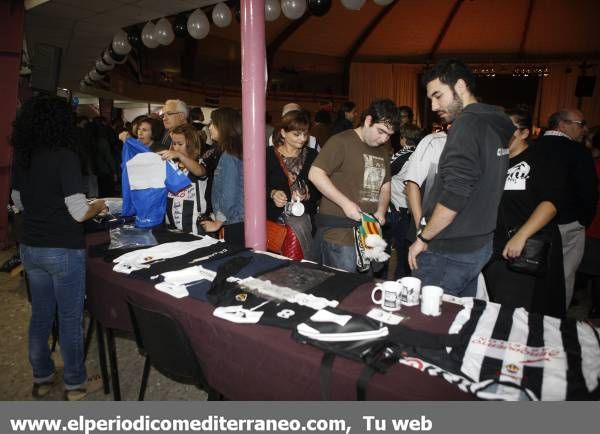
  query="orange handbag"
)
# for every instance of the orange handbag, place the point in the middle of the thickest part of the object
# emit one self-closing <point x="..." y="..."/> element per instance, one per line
<point x="276" y="233"/>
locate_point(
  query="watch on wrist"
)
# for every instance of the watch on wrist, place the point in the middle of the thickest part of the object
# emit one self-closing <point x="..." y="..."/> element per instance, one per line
<point x="421" y="237"/>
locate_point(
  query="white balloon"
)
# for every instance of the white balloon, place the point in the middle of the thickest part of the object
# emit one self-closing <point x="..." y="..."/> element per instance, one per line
<point x="149" y="35"/>
<point x="272" y="10"/>
<point x="293" y="9"/>
<point x="353" y="5"/>
<point x="102" y="66"/>
<point x="221" y="15"/>
<point x="121" y="44"/>
<point x="95" y="76"/>
<point x="382" y="2"/>
<point x="198" y="25"/>
<point x="107" y="58"/>
<point x="164" y="32"/>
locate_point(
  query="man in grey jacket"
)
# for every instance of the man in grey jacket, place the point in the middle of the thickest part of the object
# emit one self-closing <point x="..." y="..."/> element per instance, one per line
<point x="454" y="240"/>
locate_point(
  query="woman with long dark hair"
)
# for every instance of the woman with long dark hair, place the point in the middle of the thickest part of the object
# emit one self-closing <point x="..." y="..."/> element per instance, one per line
<point x="528" y="207"/>
<point x="228" y="183"/>
<point x="48" y="188"/>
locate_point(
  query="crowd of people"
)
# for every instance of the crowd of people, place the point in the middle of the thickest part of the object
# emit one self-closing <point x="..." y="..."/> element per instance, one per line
<point x="454" y="204"/>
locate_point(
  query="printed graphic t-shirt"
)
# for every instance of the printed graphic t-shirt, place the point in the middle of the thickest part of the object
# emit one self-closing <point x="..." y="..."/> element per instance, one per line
<point x="357" y="170"/>
<point x="529" y="182"/>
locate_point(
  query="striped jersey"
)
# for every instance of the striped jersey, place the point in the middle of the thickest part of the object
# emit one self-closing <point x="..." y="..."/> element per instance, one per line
<point x="184" y="207"/>
<point x="555" y="359"/>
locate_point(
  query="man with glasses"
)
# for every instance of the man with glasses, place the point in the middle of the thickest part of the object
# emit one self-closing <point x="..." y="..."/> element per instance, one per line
<point x="174" y="114"/>
<point x="573" y="164"/>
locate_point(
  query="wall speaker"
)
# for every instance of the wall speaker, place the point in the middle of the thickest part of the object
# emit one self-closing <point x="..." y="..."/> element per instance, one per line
<point x="585" y="86"/>
<point x="46" y="67"/>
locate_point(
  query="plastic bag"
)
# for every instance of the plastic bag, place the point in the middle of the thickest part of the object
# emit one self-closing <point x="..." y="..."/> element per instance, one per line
<point x="127" y="237"/>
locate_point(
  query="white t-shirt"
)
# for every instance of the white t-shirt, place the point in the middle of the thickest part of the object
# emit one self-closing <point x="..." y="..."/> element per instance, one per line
<point x="425" y="159"/>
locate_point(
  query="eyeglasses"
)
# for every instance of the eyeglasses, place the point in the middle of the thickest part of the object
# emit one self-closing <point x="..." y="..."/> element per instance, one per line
<point x="170" y="114"/>
<point x="580" y="123"/>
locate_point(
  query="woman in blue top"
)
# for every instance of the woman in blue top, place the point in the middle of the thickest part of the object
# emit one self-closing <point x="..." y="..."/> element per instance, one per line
<point x="228" y="184"/>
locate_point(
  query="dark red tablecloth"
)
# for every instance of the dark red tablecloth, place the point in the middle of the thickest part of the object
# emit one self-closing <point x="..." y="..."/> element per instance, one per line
<point x="255" y="362"/>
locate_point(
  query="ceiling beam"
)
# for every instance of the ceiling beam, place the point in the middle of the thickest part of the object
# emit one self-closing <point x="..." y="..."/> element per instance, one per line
<point x="526" y="27"/>
<point x="367" y="32"/>
<point x="445" y="28"/>
<point x="361" y="40"/>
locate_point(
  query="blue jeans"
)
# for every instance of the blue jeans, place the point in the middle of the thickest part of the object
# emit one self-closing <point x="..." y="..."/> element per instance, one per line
<point x="455" y="273"/>
<point x="57" y="284"/>
<point x="338" y="256"/>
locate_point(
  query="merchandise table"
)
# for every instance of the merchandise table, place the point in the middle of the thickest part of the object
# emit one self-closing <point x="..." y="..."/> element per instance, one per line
<point x="257" y="362"/>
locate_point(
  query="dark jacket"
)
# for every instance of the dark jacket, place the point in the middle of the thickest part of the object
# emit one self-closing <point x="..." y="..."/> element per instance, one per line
<point x="572" y="162"/>
<point x="471" y="176"/>
<point x="276" y="179"/>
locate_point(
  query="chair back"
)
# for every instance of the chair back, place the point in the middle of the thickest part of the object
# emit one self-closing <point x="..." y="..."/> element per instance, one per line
<point x="164" y="341"/>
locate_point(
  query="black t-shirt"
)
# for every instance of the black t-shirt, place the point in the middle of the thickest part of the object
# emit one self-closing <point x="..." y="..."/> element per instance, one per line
<point x="529" y="182"/>
<point x="53" y="175"/>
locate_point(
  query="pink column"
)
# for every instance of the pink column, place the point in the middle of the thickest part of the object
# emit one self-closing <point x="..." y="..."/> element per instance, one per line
<point x="253" y="115"/>
<point x="12" y="18"/>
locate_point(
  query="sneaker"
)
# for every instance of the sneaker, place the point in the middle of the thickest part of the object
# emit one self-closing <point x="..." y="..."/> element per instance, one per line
<point x="93" y="384"/>
<point x="11" y="263"/>
<point x="75" y="394"/>
<point x="39" y="390"/>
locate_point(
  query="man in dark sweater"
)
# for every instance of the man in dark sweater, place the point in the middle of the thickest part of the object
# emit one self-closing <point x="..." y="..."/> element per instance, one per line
<point x="573" y="164"/>
<point x="454" y="240"/>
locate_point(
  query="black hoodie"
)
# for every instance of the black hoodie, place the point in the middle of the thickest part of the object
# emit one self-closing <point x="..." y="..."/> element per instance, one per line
<point x="471" y="176"/>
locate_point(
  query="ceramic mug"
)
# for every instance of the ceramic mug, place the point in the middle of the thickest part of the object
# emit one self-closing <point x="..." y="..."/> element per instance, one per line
<point x="294" y="208"/>
<point x="390" y="295"/>
<point x="431" y="303"/>
<point x="411" y="291"/>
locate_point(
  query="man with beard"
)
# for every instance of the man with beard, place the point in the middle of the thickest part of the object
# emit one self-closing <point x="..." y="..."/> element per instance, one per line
<point x="454" y="240"/>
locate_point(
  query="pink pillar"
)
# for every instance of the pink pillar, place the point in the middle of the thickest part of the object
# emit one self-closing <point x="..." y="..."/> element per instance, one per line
<point x="12" y="17"/>
<point x="253" y="115"/>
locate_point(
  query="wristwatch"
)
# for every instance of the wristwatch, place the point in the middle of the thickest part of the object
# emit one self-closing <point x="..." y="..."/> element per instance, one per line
<point x="421" y="237"/>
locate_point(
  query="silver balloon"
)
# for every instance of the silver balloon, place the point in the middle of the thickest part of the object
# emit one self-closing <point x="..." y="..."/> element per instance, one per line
<point x="94" y="75"/>
<point x="164" y="32"/>
<point x="198" y="25"/>
<point x="149" y="35"/>
<point x="272" y="10"/>
<point x="221" y="15"/>
<point x="293" y="9"/>
<point x="382" y="2"/>
<point x="120" y="43"/>
<point x="102" y="66"/>
<point x="82" y="84"/>
<point x="107" y="58"/>
<point x="353" y="5"/>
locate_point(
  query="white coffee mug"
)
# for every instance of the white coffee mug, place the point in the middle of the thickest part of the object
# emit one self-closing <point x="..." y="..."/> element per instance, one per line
<point x="431" y="303"/>
<point x="390" y="296"/>
<point x="411" y="291"/>
<point x="294" y="208"/>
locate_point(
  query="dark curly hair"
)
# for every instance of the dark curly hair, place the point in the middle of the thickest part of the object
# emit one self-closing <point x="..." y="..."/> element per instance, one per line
<point x="45" y="121"/>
